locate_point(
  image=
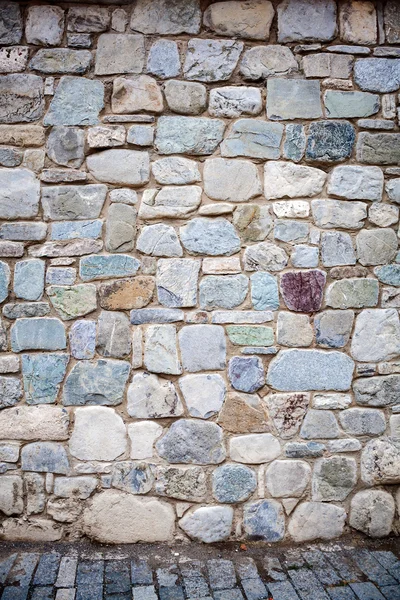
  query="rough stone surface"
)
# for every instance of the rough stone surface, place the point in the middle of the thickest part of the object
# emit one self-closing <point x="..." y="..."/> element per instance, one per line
<point x="178" y="135"/>
<point x="190" y="441"/>
<point x="151" y="398"/>
<point x="203" y="394"/>
<point x="333" y="478"/>
<point x="77" y="101"/>
<point x="101" y="382"/>
<point x="233" y="483"/>
<point x="372" y="512"/>
<point x="302" y="291"/>
<point x="231" y="180"/>
<point x="92" y="425"/>
<point x="211" y="60"/>
<point x="376" y="335"/>
<point x="287" y="180"/>
<point x="208" y="524"/>
<point x="316" y="520"/>
<point x="264" y="520"/>
<point x="118" y="53"/>
<point x="380" y="462"/>
<point x="254" y="448"/>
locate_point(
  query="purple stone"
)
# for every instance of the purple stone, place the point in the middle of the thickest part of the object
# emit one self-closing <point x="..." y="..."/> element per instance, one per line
<point x="302" y="291"/>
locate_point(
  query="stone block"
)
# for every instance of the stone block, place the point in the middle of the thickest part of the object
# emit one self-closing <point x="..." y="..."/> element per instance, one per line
<point x="176" y="282"/>
<point x="302" y="291"/>
<point x="287" y="478"/>
<point x="362" y="421"/>
<point x="316" y="520"/>
<point x="331" y="214"/>
<point x="254" y="449"/>
<point x="377" y="74"/>
<point x="101" y="382"/>
<point x="42" y="376"/>
<point x="119" y="53"/>
<point x="22" y="99"/>
<point x="191" y="441"/>
<point x="10" y="391"/>
<point x="143" y="436"/>
<point x="203" y="347"/>
<point x="330" y="141"/>
<point x="44" y="457"/>
<point x="185" y="97"/>
<point x="13" y="60"/>
<point x="98" y="434"/>
<point x="82" y="339"/>
<point x="380" y="462"/>
<point x="160" y="351"/>
<point x="253" y="138"/>
<point x="44" y="25"/>
<point x="151" y="398"/>
<point x="62" y="61"/>
<point x="11" y="501"/>
<point x="356" y="183"/>
<point x="19" y="194"/>
<point x="126" y="167"/>
<point x="294" y="330"/>
<point x="211" y="60"/>
<point x="378" y="148"/>
<point x="372" y="512"/>
<point x="252" y="21"/>
<point x="298" y="20"/>
<point x="293" y="99"/>
<point x="376" y="335"/>
<point x="232" y="102"/>
<point x="188" y="135"/>
<point x="288" y="180"/>
<point x="210" y="236"/>
<point x="333" y="328"/>
<point x="226" y="291"/>
<point x="204" y="395"/>
<point x="77" y="101"/>
<point x="10" y="23"/>
<point x="348" y="105"/>
<point x="88" y="19"/>
<point x="333" y="478"/>
<point x="337" y="249"/>
<point x="208" y="524"/>
<point x="233" y="483"/>
<point x="38" y="334"/>
<point x="264" y="520"/>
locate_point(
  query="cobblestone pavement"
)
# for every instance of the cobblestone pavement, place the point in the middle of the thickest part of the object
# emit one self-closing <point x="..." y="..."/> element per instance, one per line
<point x="343" y="571"/>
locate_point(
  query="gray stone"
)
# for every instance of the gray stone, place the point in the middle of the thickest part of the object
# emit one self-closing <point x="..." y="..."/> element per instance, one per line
<point x="18" y="310"/>
<point x="187" y="483"/>
<point x="10" y="157"/>
<point x="233" y="483"/>
<point x="120" y="228"/>
<point x="19" y="194"/>
<point x="5" y="276"/>
<point x="304" y="256"/>
<point x="62" y="176"/>
<point x="319" y="424"/>
<point x="253" y="222"/>
<point x="337" y="249"/>
<point x="376" y="335"/>
<point x="163" y="59"/>
<point x="159" y="240"/>
<point x="333" y="328"/>
<point x="287" y="478"/>
<point x="383" y="215"/>
<point x="99" y="433"/>
<point x="380" y="462"/>
<point x="203" y="348"/>
<point x="304" y="450"/>
<point x="362" y="421"/>
<point x="29" y="279"/>
<point x="10" y="23"/>
<point x="231" y="180"/>
<point x="77" y="101"/>
<point x="9" y="364"/>
<point x="165" y="18"/>
<point x="372" y="512"/>
<point x="170" y="202"/>
<point x="156" y="315"/>
<point x="44" y="457"/>
<point x="348" y="105"/>
<point x="11" y="249"/>
<point x="38" y="334"/>
<point x="211" y="60"/>
<point x="265" y="257"/>
<point x="330" y="141"/>
<point x="226" y="291"/>
<point x="66" y="249"/>
<point x="10" y="391"/>
<point x="44" y="25"/>
<point x="79" y="40"/>
<point x="261" y="62"/>
<point x="127" y="167"/>
<point x="190" y="441"/>
<point x="88" y="19"/>
<point x="254" y="448"/>
<point x="353" y="293"/>
<point x="316" y="520"/>
<point x="232" y="102"/>
<point x="101" y="383"/>
<point x="208" y="524"/>
<point x="185" y="97"/>
<point x="295" y="142"/>
<point x="294" y="330"/>
<point x="135" y="478"/>
<point x="378" y="148"/>
<point x="251" y="21"/>
<point x="254" y="138"/>
<point x="298" y="20"/>
<point x="42" y="376"/>
<point x="356" y="183"/>
<point x="65" y="146"/>
<point x="119" y="53"/>
<point x="141" y="135"/>
<point x="288" y="180"/>
<point x="377" y="74"/>
<point x="335" y="66"/>
<point x="61" y="61"/>
<point x="264" y="291"/>
<point x="22" y="98"/>
<point x="392" y="22"/>
<point x="82" y="339"/>
<point x="384" y="124"/>
<point x="212" y="237"/>
<point x="176" y="282"/>
<point x="188" y="135"/>
<point x="160" y="353"/>
<point x="288" y="231"/>
<point x="203" y="394"/>
<point x="175" y="170"/>
<point x="152" y="398"/>
<point x="331" y="214"/>
<point x="246" y="374"/>
<point x="264" y="520"/>
<point x="11" y="501"/>
<point x="23" y="232"/>
<point x="377" y="391"/>
<point x="345" y="445"/>
<point x="333" y="478"/>
<point x="70" y="230"/>
<point x="113" y="334"/>
<point x="75" y="487"/>
<point x="293" y="99"/>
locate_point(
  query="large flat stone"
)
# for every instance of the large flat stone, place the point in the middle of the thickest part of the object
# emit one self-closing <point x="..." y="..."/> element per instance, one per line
<point x="330" y="214"/>
<point x="135" y="94"/>
<point x="293" y="99"/>
<point x="378" y="148"/>
<point x="254" y="138"/>
<point x="203" y="347"/>
<point x="127" y="167"/>
<point x="264" y="520"/>
<point x="288" y="180"/>
<point x="349" y="105"/>
<point x="235" y="19"/>
<point x="376" y="335"/>
<point x="380" y="462"/>
<point x="38" y="334"/>
<point x="77" y="101"/>
<point x="210" y="236"/>
<point x="302" y="21"/>
<point x="165" y="17"/>
<point x="330" y="141"/>
<point x="99" y="434"/>
<point x="316" y="520"/>
<point x="204" y="394"/>
<point x="119" y="53"/>
<point x="211" y="60"/>
<point x="376" y="246"/>
<point x="231" y="180"/>
<point x="152" y="398"/>
<point x="160" y="351"/>
<point x="176" y="282"/>
<point x="34" y="423"/>
<point x="42" y="376"/>
<point x="105" y="267"/>
<point x="377" y="391"/>
<point x="377" y="74"/>
<point x="356" y="183"/>
<point x="61" y="61"/>
<point x="10" y="23"/>
<point x="188" y="135"/>
<point x="19" y="194"/>
<point x="208" y="524"/>
<point x="302" y="291"/>
<point x="101" y="383"/>
<point x="191" y="441"/>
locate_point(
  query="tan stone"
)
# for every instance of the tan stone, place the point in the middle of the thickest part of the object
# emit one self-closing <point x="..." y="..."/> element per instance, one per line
<point x="357" y="21"/>
<point x="133" y="94"/>
<point x="64" y="510"/>
<point x="243" y="413"/>
<point x="126" y="294"/>
<point x="22" y="135"/>
<point x="287" y="412"/>
<point x="34" y="423"/>
<point x="251" y="19"/>
<point x="32" y="530"/>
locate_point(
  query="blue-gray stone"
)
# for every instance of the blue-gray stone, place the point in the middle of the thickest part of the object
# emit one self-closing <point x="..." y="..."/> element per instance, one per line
<point x="70" y="230"/>
<point x="82" y="339"/>
<point x="330" y="141"/>
<point x="223" y="291"/>
<point x="304" y="370"/>
<point x="42" y="375"/>
<point x="4" y="280"/>
<point x="10" y="23"/>
<point x="44" y="457"/>
<point x="286" y="230"/>
<point x="60" y="275"/>
<point x="21" y="98"/>
<point x="135" y="478"/>
<point x="377" y="74"/>
<point x="29" y="279"/>
<point x="305" y="256"/>
<point x="38" y="334"/>
<point x="264" y="291"/>
<point x="188" y="135"/>
<point x="333" y="328"/>
<point x="233" y="483"/>
<point x="10" y="157"/>
<point x="192" y="441"/>
<point x="163" y="59"/>
<point x="264" y="520"/>
<point x="10" y="391"/>
<point x="23" y="232"/>
<point x="389" y="274"/>
<point x="250" y="137"/>
<point x="246" y="374"/>
<point x="293" y="99"/>
<point x="337" y="249"/>
<point x="295" y="142"/>
<point x="156" y="315"/>
<point x="319" y="424"/>
<point x="61" y="61"/>
<point x="104" y="267"/>
<point x="19" y="310"/>
<point x="304" y="449"/>
<point x="349" y="105"/>
<point x="101" y="383"/>
<point x="212" y="237"/>
<point x="77" y="101"/>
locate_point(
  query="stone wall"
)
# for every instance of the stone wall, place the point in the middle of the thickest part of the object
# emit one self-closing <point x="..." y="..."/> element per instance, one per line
<point x="199" y="275"/>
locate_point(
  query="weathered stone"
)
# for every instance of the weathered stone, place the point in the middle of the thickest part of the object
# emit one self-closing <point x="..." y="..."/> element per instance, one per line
<point x="392" y="27"/>
<point x="175" y="170"/>
<point x="42" y="376"/>
<point x="362" y="421"/>
<point x="261" y="62"/>
<point x="305" y="22"/>
<point x="75" y="487"/>
<point x="105" y="267"/>
<point x="148" y="398"/>
<point x="356" y="183"/>
<point x="141" y="135"/>
<point x="294" y="330"/>
<point x="249" y="137"/>
<point x="113" y="334"/>
<point x="357" y="22"/>
<point x="210" y="236"/>
<point x="10" y="157"/>
<point x="383" y="215"/>
<point x="170" y="202"/>
<point x="156" y="315"/>
<point x="135" y="94"/>
<point x="166" y="18"/>
<point x="234" y="19"/>
<point x="333" y="328"/>
<point x="102" y="382"/>
<point x="304" y="256"/>
<point x="376" y="336"/>
<point x="319" y="424"/>
<point x="303" y="291"/>
<point x="77" y="101"/>
<point x="187" y="484"/>
<point x="120" y="166"/>
<point x="79" y="40"/>
<point x="242" y="413"/>
<point x="143" y="435"/>
<point x="211" y="60"/>
<point x="163" y="59"/>
<point x="246" y="374"/>
<point x="189" y="135"/>
<point x="5" y="276"/>
<point x="264" y="291"/>
<point x="119" y="53"/>
<point x="135" y="478"/>
<point x="389" y="274"/>
<point x="120" y="228"/>
<point x="19" y="194"/>
<point x="241" y="316"/>
<point x="47" y="457"/>
<point x="376" y="246"/>
<point x="253" y="222"/>
<point x="330" y="214"/>
<point x="295" y="142"/>
<point x="330" y="141"/>
<point x="38" y="334"/>
<point x="119" y="517"/>
<point x="11" y="502"/>
<point x="316" y="520"/>
<point x="326" y="64"/>
<point x="293" y="99"/>
<point x="287" y="479"/>
<point x="33" y="530"/>
<point x="337" y="249"/>
<point x="22" y="98"/>
<point x="159" y="240"/>
<point x="126" y="294"/>
<point x="232" y="102"/>
<point x="231" y="180"/>
<point x="291" y="231"/>
<point x="265" y="257"/>
<point x="203" y="347"/>
<point x="233" y="483"/>
<point x="98" y="434"/>
<point x="106" y="136"/>
<point x="70" y="230"/>
<point x="287" y="180"/>
<point x="88" y="19"/>
<point x="9" y="364"/>
<point x="304" y="450"/>
<point x="62" y="176"/>
<point x="82" y="339"/>
<point x="33" y="423"/>
<point x="208" y="524"/>
<point x="254" y="449"/>
<point x="44" y="25"/>
<point x="22" y="135"/>
<point x="349" y="105"/>
<point x="61" y="61"/>
<point x="333" y="478"/>
<point x="65" y="146"/>
<point x="287" y="412"/>
<point x="372" y="512"/>
<point x="377" y="74"/>
<point x="377" y="391"/>
<point x="203" y="394"/>
<point x="380" y="464"/>
<point x="190" y="441"/>
<point x="177" y="282"/>
<point x="10" y="391"/>
<point x="160" y="355"/>
<point x="226" y="291"/>
<point x="185" y="97"/>
<point x="264" y="520"/>
<point x="73" y="301"/>
<point x="66" y="249"/>
<point x="378" y="148"/>
<point x="10" y="23"/>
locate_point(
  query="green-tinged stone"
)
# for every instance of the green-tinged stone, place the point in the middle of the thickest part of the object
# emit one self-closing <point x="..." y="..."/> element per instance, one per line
<point x="73" y="300"/>
<point x="250" y="335"/>
<point x="42" y="374"/>
<point x="389" y="274"/>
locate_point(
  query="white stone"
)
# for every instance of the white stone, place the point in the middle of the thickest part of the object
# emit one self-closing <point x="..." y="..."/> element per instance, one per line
<point x="159" y="240"/>
<point x="44" y="25"/>
<point x="331" y="401"/>
<point x="176" y="282"/>
<point x="13" y="59"/>
<point x="254" y="448"/>
<point x="152" y="398"/>
<point x="34" y="423"/>
<point x="129" y="167"/>
<point x="316" y="520"/>
<point x="294" y="330"/>
<point x="383" y="215"/>
<point x="75" y="487"/>
<point x="231" y="180"/>
<point x="99" y="434"/>
<point x="221" y="266"/>
<point x="291" y="209"/>
<point x="160" y="352"/>
<point x="287" y="478"/>
<point x="208" y="524"/>
<point x="204" y="394"/>
<point x="11" y="501"/>
<point x="175" y="170"/>
<point x="106" y="136"/>
<point x="288" y="180"/>
<point x="171" y="202"/>
<point x="261" y="62"/>
<point x="372" y="512"/>
<point x="376" y="335"/>
<point x="232" y="102"/>
<point x="143" y="436"/>
<point x="356" y="183"/>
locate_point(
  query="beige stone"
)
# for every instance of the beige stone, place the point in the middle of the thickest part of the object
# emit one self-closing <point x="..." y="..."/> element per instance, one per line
<point x="357" y="22"/>
<point x="99" y="434"/>
<point x="120" y="518"/>
<point x="251" y="19"/>
<point x="231" y="180"/>
<point x="32" y="530"/>
<point x="11" y="502"/>
<point x="34" y="423"/>
<point x="243" y="413"/>
<point x="22" y="135"/>
<point x="126" y="294"/>
<point x="294" y="330"/>
<point x="133" y="94"/>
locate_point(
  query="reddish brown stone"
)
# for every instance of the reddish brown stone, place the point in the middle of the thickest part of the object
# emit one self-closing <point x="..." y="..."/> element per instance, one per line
<point x="302" y="291"/>
<point x="287" y="412"/>
<point x="243" y="414"/>
<point x="348" y="272"/>
<point x="127" y="293"/>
